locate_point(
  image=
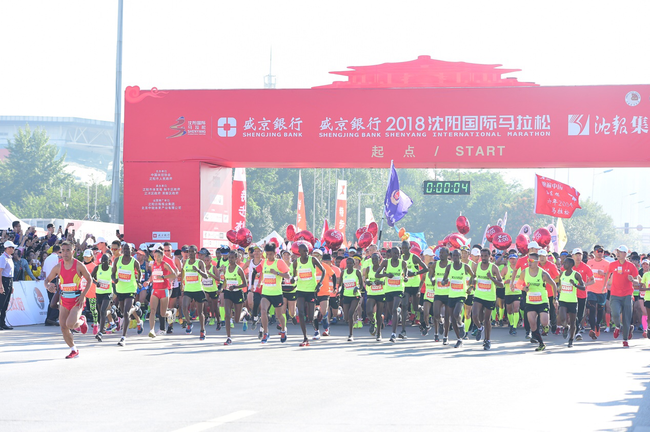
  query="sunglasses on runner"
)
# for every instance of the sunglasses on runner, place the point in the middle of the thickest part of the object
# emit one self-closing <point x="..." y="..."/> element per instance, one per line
<point x="530" y="260"/>
<point x="599" y="250"/>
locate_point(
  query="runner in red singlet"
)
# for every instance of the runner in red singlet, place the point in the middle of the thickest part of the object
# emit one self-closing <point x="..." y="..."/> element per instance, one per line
<point x="161" y="274"/>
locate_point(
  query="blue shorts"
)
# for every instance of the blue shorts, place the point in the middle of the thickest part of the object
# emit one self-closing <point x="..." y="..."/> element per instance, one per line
<point x="600" y="299"/>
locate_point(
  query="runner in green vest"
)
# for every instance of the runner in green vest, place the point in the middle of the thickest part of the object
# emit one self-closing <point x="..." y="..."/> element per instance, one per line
<point x="535" y="279"/>
<point x="460" y="277"/>
<point x="192" y="288"/>
<point x="441" y="292"/>
<point x="102" y="277"/>
<point x="351" y="284"/>
<point x="512" y="293"/>
<point x="375" y="287"/>
<point x="415" y="267"/>
<point x="394" y="270"/>
<point x="570" y="283"/>
<point x="304" y="276"/>
<point x="126" y="276"/>
<point x="272" y="270"/>
<point x="485" y="296"/>
<point x="234" y="281"/>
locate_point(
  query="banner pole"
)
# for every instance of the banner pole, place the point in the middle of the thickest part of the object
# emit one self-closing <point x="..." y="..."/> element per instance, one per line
<point x="383" y="214"/>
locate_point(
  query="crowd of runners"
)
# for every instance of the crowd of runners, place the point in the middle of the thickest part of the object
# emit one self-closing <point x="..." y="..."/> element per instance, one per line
<point x="465" y="292"/>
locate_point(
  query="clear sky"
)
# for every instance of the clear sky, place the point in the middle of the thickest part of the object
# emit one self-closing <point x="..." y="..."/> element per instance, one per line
<point x="58" y="57"/>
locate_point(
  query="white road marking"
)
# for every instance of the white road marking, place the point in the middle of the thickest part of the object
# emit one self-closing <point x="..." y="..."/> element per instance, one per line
<point x="216" y="421"/>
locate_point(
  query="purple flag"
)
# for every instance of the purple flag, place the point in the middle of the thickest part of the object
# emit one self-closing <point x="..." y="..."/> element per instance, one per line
<point x="396" y="203"/>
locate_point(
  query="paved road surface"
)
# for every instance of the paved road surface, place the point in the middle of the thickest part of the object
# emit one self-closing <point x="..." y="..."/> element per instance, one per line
<point x="177" y="382"/>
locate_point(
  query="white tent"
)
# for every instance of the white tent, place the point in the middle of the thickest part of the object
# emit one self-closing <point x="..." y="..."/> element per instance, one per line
<point x="7" y="218"/>
<point x="269" y="237"/>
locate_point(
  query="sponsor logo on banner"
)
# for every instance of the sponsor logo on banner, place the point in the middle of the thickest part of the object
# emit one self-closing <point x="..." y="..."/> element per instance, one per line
<point x="632" y="98"/>
<point x="191" y="127"/>
<point x="578" y="125"/>
<point x="40" y="300"/>
<point x="161" y="235"/>
<point x="227" y="127"/>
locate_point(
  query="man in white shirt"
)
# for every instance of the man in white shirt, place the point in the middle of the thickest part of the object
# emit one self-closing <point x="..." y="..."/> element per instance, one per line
<point x="50" y="262"/>
<point x="6" y="288"/>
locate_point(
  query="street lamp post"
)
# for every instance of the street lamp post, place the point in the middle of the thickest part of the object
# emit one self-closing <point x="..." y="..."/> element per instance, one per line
<point x="359" y="207"/>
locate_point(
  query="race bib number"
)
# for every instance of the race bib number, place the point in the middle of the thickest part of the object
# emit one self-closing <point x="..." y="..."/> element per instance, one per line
<point x="157" y="275"/>
<point x="305" y="274"/>
<point x="191" y="277"/>
<point x="534" y="297"/>
<point x="374" y="287"/>
<point x="395" y="281"/>
<point x="231" y="283"/>
<point x="269" y="279"/>
<point x="567" y="288"/>
<point x="429" y="295"/>
<point x="207" y="282"/>
<point x="349" y="284"/>
<point x="69" y="287"/>
<point x="441" y="285"/>
<point x="483" y="285"/>
<point x="457" y="285"/>
<point x="124" y="275"/>
<point x="103" y="284"/>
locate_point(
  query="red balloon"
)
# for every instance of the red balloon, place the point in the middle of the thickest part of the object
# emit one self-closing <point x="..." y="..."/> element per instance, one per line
<point x="492" y="231"/>
<point x="522" y="241"/>
<point x="542" y="236"/>
<point x="244" y="237"/>
<point x="373" y="228"/>
<point x="291" y="232"/>
<point x="413" y="244"/>
<point x="415" y="250"/>
<point x="445" y="241"/>
<point x="457" y="240"/>
<point x="462" y="224"/>
<point x="295" y="246"/>
<point x="276" y="241"/>
<point x="333" y="239"/>
<point x="502" y="241"/>
<point x="365" y="240"/>
<point x="305" y="235"/>
<point x="231" y="235"/>
<point x="361" y="231"/>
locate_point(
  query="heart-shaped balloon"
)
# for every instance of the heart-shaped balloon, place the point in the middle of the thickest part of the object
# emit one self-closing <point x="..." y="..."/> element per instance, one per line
<point x="415" y="250"/>
<point x="291" y="232"/>
<point x="231" y="235"/>
<point x="296" y="245"/>
<point x="276" y="241"/>
<point x="360" y="231"/>
<point x="305" y="235"/>
<point x="244" y="237"/>
<point x="502" y="241"/>
<point x="365" y="240"/>
<point x="462" y="224"/>
<point x="492" y="231"/>
<point x="445" y="241"/>
<point x="457" y="240"/>
<point x="373" y="228"/>
<point x="413" y="244"/>
<point x="521" y="242"/>
<point x="333" y="239"/>
<point x="542" y="236"/>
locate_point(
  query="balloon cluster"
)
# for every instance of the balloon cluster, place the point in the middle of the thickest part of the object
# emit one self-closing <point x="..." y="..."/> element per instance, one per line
<point x="456" y="240"/>
<point x="241" y="237"/>
<point x="366" y="235"/>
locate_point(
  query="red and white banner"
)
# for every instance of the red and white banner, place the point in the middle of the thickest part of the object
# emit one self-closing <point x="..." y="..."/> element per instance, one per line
<point x="324" y="230"/>
<point x="216" y="206"/>
<point x="28" y="304"/>
<point x="301" y="219"/>
<point x="239" y="199"/>
<point x="554" y="198"/>
<point x="497" y="127"/>
<point x="341" y="207"/>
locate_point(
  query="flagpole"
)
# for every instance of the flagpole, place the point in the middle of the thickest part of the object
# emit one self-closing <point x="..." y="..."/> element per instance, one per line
<point x="383" y="214"/>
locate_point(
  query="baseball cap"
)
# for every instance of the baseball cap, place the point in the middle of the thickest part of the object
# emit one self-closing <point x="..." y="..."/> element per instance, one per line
<point x="621" y="248"/>
<point x="9" y="244"/>
<point x="476" y="252"/>
<point x="143" y="247"/>
<point x="157" y="246"/>
<point x="101" y="240"/>
<point x="564" y="253"/>
<point x="576" y="251"/>
<point x="88" y="253"/>
<point x="542" y="252"/>
<point x="428" y="252"/>
<point x="204" y="251"/>
<point x="512" y="256"/>
<point x="533" y="245"/>
<point x="185" y="249"/>
<point x="599" y="248"/>
<point x="224" y="250"/>
<point x="352" y="251"/>
<point x="645" y="261"/>
<point x="318" y="251"/>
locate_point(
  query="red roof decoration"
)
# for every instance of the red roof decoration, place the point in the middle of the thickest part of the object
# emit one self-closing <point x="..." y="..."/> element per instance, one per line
<point x="426" y="72"/>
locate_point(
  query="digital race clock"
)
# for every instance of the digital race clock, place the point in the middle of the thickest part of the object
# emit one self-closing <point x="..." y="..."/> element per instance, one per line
<point x="446" y="187"/>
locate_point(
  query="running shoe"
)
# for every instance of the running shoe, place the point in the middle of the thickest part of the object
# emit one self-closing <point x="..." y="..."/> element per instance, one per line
<point x="393" y="337"/>
<point x="372" y="328"/>
<point x="218" y="325"/>
<point x="279" y="327"/>
<point x="188" y="329"/>
<point x="606" y="329"/>
<point x="122" y="341"/>
<point x="304" y="343"/>
<point x="592" y="334"/>
<point x="459" y="343"/>
<point x="283" y="336"/>
<point x="565" y="332"/>
<point x="73" y="354"/>
<point x="326" y="332"/>
<point x="350" y="338"/>
<point x="570" y="345"/>
<point x="617" y="332"/>
<point x="228" y="341"/>
<point x="83" y="328"/>
<point x="479" y="334"/>
<point x="118" y="323"/>
<point x="540" y="347"/>
<point x="629" y="336"/>
<point x="579" y="337"/>
<point x="402" y="335"/>
<point x="170" y="330"/>
<point x="95" y="329"/>
<point x="140" y="328"/>
<point x="625" y="344"/>
<point x="378" y="338"/>
<point x="232" y="323"/>
<point x="99" y="336"/>
<point x="597" y="332"/>
<point x="160" y="333"/>
<point x="425" y="330"/>
<point x="245" y="325"/>
<point x="260" y="333"/>
<point x="445" y="341"/>
<point x="528" y="335"/>
<point x="436" y="337"/>
<point x="111" y="328"/>
<point x="514" y="331"/>
<point x="265" y="338"/>
<point x="170" y="316"/>
<point x="316" y="335"/>
<point x="152" y="334"/>
<point x="476" y="330"/>
<point x="487" y="345"/>
<point x="545" y="330"/>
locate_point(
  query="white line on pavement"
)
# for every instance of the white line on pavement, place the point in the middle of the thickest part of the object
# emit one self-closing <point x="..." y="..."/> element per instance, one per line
<point x="216" y="421"/>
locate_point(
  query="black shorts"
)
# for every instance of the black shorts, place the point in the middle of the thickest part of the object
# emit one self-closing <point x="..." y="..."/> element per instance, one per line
<point x="237" y="297"/>
<point x="488" y="304"/>
<point x="320" y="299"/>
<point x="570" y="307"/>
<point x="197" y="296"/>
<point x="102" y="297"/>
<point x="510" y="299"/>
<point x="310" y="297"/>
<point x="452" y="302"/>
<point x="469" y="300"/>
<point x="176" y="292"/>
<point x="444" y="299"/>
<point x="539" y="308"/>
<point x="290" y="296"/>
<point x="377" y="297"/>
<point x="412" y="291"/>
<point x="276" y="300"/>
<point x="390" y="296"/>
<point x="501" y="293"/>
<point x="334" y="303"/>
<point x="348" y="300"/>
<point x="122" y="297"/>
<point x="212" y="294"/>
<point x="288" y="288"/>
<point x="637" y="298"/>
<point x="646" y="303"/>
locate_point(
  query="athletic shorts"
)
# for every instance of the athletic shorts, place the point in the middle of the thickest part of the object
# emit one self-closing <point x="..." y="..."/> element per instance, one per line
<point x="488" y="304"/>
<point x="197" y="296"/>
<point x="212" y="294"/>
<point x="539" y="308"/>
<point x="140" y="289"/>
<point x="122" y="297"/>
<point x="452" y="302"/>
<point x="377" y="297"/>
<point x="444" y="299"/>
<point x="237" y="297"/>
<point x="570" y="306"/>
<point x="334" y="303"/>
<point x="348" y="300"/>
<point x="412" y="291"/>
<point x="600" y="299"/>
<point x="390" y="296"/>
<point x="320" y="299"/>
<point x="637" y="298"/>
<point x="176" y="292"/>
<point x="309" y="297"/>
<point x="275" y="300"/>
<point x="646" y="303"/>
<point x="102" y="297"/>
<point x="290" y="296"/>
<point x="510" y="299"/>
<point x="68" y="303"/>
<point x="469" y="300"/>
<point x="160" y="293"/>
<point x="501" y="293"/>
<point x="288" y="288"/>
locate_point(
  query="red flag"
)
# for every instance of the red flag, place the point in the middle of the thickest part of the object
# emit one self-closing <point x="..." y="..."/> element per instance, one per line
<point x="301" y="219"/>
<point x="325" y="228"/>
<point x="341" y="207"/>
<point x="239" y="199"/>
<point x="554" y="198"/>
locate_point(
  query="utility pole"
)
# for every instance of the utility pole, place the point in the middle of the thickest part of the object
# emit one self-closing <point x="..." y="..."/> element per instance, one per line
<point x="115" y="186"/>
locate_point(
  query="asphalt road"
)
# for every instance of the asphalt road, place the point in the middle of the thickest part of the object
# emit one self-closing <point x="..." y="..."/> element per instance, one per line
<point x="178" y="382"/>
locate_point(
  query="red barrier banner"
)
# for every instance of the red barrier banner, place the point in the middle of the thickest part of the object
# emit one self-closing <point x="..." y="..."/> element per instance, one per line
<point x="216" y="206"/>
<point x="341" y="207"/>
<point x="301" y="219"/>
<point x="513" y="127"/>
<point x="554" y="198"/>
<point x="239" y="199"/>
